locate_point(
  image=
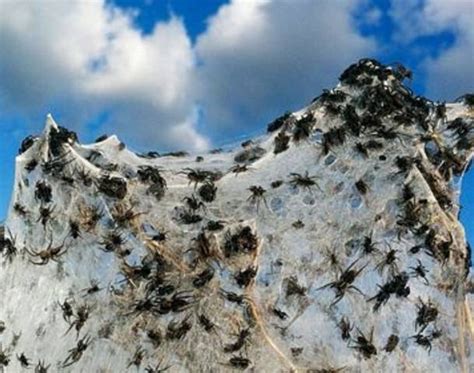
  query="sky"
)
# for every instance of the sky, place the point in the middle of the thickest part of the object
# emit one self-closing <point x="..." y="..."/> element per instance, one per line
<point x="185" y="74"/>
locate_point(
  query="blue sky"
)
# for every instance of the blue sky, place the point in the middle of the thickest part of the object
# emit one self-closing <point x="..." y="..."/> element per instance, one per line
<point x="185" y="74"/>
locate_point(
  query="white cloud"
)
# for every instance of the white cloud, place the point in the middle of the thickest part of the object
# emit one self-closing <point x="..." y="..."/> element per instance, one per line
<point x="256" y="59"/>
<point x="83" y="57"/>
<point x="449" y="74"/>
<point x="262" y="57"/>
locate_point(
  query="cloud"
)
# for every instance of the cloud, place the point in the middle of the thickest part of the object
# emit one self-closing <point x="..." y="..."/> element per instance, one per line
<point x="87" y="59"/>
<point x="258" y="58"/>
<point x="449" y="73"/>
<point x="83" y="58"/>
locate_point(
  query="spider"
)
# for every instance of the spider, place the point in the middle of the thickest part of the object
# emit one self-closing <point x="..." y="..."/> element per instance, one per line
<point x="258" y="195"/>
<point x="389" y="260"/>
<point x="293" y="287"/>
<point x="392" y="343"/>
<point x="177" y="331"/>
<point x="245" y="277"/>
<point x="92" y="289"/>
<point x="243" y="241"/>
<point x="197" y="176"/>
<point x="151" y="175"/>
<point x="193" y="203"/>
<point x="237" y="169"/>
<point x="281" y="142"/>
<point x="331" y="259"/>
<point x="361" y="149"/>
<point x="362" y="187"/>
<point x="7" y="244"/>
<point x="20" y="209"/>
<point x="24" y="361"/>
<point x="189" y="217"/>
<point x="334" y="137"/>
<point x="156" y="368"/>
<point x="112" y="186"/>
<point x="58" y="137"/>
<point x="397" y="285"/>
<point x="427" y="313"/>
<point x="31" y="165"/>
<point x="74" y="229"/>
<point x="155" y="337"/>
<point x="27" y="143"/>
<point x="124" y="216"/>
<point x="302" y="127"/>
<point x="242" y="339"/>
<point x="179" y="302"/>
<point x="4" y="358"/>
<point x="203" y="247"/>
<point x="345" y="327"/>
<point x="67" y="310"/>
<point x="112" y="242"/>
<point x="76" y="353"/>
<point x="45" y="215"/>
<point x="41" y="367"/>
<point x="203" y="278"/>
<point x="364" y="345"/>
<point x="84" y="176"/>
<point x="56" y="166"/>
<point x="232" y="297"/>
<point x="137" y="272"/>
<point x="420" y="271"/>
<point x="137" y="357"/>
<point x="207" y="324"/>
<point x="344" y="282"/>
<point x="305" y="181"/>
<point x="82" y="314"/>
<point x="43" y="192"/>
<point x="279" y="122"/>
<point x="90" y="216"/>
<point x="207" y="191"/>
<point x="239" y="362"/>
<point x="279" y="313"/>
<point x="50" y="253"/>
<point x="425" y="340"/>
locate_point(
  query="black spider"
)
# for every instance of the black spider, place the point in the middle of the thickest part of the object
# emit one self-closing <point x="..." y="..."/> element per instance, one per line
<point x="203" y="278"/>
<point x="45" y="215"/>
<point x="293" y="287"/>
<point x="396" y="285"/>
<point x="281" y="142"/>
<point x="20" y="209"/>
<point x="242" y="339"/>
<point x="303" y="127"/>
<point x="113" y="186"/>
<point x="363" y="345"/>
<point x="257" y="195"/>
<point x="207" y="192"/>
<point x="345" y="281"/>
<point x="392" y="343"/>
<point x="244" y="277"/>
<point x="27" y="143"/>
<point x="345" y="327"/>
<point x="43" y="192"/>
<point x="177" y="331"/>
<point x="420" y="271"/>
<point x="193" y="203"/>
<point x="304" y="181"/>
<point x="280" y="122"/>
<point x="243" y="241"/>
<point x="427" y="313"/>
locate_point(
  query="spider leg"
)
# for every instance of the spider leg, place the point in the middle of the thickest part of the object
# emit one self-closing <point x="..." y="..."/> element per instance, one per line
<point x="327" y="285"/>
<point x="357" y="289"/>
